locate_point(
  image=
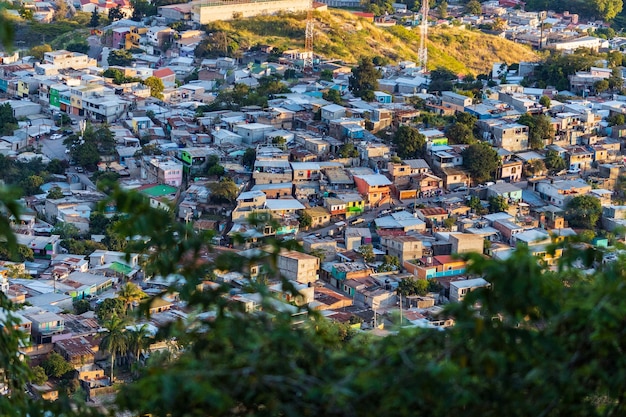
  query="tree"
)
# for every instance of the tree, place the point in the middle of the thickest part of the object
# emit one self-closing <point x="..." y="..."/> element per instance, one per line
<point x="443" y="9"/>
<point x="607" y="9"/>
<point x="156" y="87"/>
<point x="481" y="160"/>
<point x="554" y="162"/>
<point x="318" y="253"/>
<point x="534" y="167"/>
<point x="441" y="79"/>
<point x="467" y="119"/>
<point x="55" y="366"/>
<point x="61" y="11"/>
<point x="498" y="204"/>
<point x="81" y="306"/>
<point x="141" y="9"/>
<point x="26" y="14"/>
<point x="326" y="75"/>
<point x="116" y="13"/>
<point x="348" y="150"/>
<point x="364" y="79"/>
<point x="249" y="158"/>
<point x="224" y="191"/>
<point x="545" y="101"/>
<point x="305" y="220"/>
<point x="114" y="340"/>
<point x="8" y="122"/>
<point x="583" y="211"/>
<point x="473" y="7"/>
<point x="367" y="252"/>
<point x="95" y="19"/>
<point x="30" y="185"/>
<point x="66" y="230"/>
<point x="449" y="223"/>
<point x="120" y="58"/>
<point x="138" y="340"/>
<point x="410" y="143"/>
<point x="616" y="119"/>
<point x="110" y="307"/>
<point x="81" y="47"/>
<point x="333" y="96"/>
<point x="38" y="51"/>
<point x="540" y="129"/>
<point x="459" y="133"/>
<point x="601" y="86"/>
<point x="39" y="376"/>
<point x="130" y="293"/>
<point x="411" y="286"/>
<point x="390" y="263"/>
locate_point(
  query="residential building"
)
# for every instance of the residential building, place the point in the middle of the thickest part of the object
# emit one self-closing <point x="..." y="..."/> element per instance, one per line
<point x="375" y="188"/>
<point x="403" y="247"/>
<point x="298" y="266"/>
<point x="435" y="267"/>
<point x="460" y="289"/>
<point x="162" y="170"/>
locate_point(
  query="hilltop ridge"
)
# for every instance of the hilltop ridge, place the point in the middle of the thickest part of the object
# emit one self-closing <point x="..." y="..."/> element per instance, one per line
<point x="342" y="35"/>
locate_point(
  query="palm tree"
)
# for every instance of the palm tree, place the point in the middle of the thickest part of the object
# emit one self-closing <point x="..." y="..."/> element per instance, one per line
<point x="130" y="293"/>
<point x="138" y="340"/>
<point x="114" y="339"/>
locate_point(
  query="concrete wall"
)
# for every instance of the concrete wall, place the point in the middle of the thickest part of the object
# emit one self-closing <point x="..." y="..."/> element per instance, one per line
<point x="206" y="14"/>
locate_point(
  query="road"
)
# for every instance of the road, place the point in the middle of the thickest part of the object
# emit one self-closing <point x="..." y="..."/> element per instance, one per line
<point x="53" y="149"/>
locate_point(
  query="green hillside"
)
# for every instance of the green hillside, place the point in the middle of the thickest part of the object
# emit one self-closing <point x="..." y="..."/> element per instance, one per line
<point x="341" y="35"/>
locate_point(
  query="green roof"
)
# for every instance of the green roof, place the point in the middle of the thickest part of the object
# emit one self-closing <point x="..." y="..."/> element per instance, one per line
<point x="159" y="190"/>
<point x="121" y="268"/>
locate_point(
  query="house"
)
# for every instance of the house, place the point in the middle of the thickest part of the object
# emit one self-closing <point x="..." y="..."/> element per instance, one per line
<point x="271" y="171"/>
<point x="355" y="237"/>
<point x="63" y="59"/>
<point x="277" y="190"/>
<point x="455" y="101"/>
<point x="435" y="266"/>
<point x="375" y="188"/>
<point x="332" y="112"/>
<point x="506" y="190"/>
<point x="510" y="170"/>
<point x="252" y="133"/>
<point x="160" y="35"/>
<point x="579" y="158"/>
<point x="162" y="170"/>
<point x="433" y="216"/>
<point x="459" y="289"/>
<point x="403" y="247"/>
<point x="319" y="216"/>
<point x="466" y="243"/>
<point x="165" y="74"/>
<point x="340" y="272"/>
<point x="298" y="266"/>
<point x="78" y="351"/>
<point x="305" y="171"/>
<point x="559" y="192"/>
<point x="511" y="136"/>
<point x="45" y="324"/>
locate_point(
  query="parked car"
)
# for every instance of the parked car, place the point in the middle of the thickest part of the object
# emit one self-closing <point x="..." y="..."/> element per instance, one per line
<point x="56" y="136"/>
<point x="68" y="132"/>
<point x="80" y="170"/>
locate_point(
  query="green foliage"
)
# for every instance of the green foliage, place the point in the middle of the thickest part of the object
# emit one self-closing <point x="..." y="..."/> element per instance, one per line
<point x="110" y="307"/>
<point x="81" y="47"/>
<point x="364" y="79"/>
<point x="498" y="204"/>
<point x="557" y="67"/>
<point x="481" y="160"/>
<point x="473" y="7"/>
<point x="540" y="129"/>
<point x="120" y="58"/>
<point x="82" y="247"/>
<point x="390" y="263"/>
<point x="130" y="293"/>
<point x="413" y="286"/>
<point x="116" y="13"/>
<point x="545" y="101"/>
<point x="66" y="230"/>
<point x="459" y="133"/>
<point x="81" y="306"/>
<point x="224" y="191"/>
<point x="141" y="9"/>
<point x="348" y="150"/>
<point x="87" y="151"/>
<point x="449" y="223"/>
<point x="583" y="211"/>
<point x="95" y="18"/>
<point x="118" y="76"/>
<point x="333" y="96"/>
<point x="305" y="220"/>
<point x="601" y="86"/>
<point x="8" y="122"/>
<point x="248" y="158"/>
<point x="410" y="143"/>
<point x="55" y="366"/>
<point x="39" y="376"/>
<point x="326" y="75"/>
<point x="114" y="340"/>
<point x="18" y="253"/>
<point x="156" y="87"/>
<point x="616" y="119"/>
<point x="534" y="167"/>
<point x="554" y="162"/>
<point x="441" y="79"/>
<point x="367" y="252"/>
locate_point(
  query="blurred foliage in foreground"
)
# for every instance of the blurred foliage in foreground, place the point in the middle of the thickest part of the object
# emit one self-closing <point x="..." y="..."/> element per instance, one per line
<point x="538" y="343"/>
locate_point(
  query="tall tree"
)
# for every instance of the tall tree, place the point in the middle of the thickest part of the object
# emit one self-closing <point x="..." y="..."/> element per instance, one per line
<point x="156" y="87"/>
<point x="130" y="293"/>
<point x="554" y="162"/>
<point x="540" y="129"/>
<point x="410" y="143"/>
<point x="95" y="19"/>
<point x="116" y="13"/>
<point x="583" y="211"/>
<point x="482" y="161"/>
<point x="473" y="7"/>
<point x="114" y="339"/>
<point x="364" y="79"/>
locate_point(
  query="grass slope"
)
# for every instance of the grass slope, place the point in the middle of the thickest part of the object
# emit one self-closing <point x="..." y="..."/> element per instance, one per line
<point x="341" y="35"/>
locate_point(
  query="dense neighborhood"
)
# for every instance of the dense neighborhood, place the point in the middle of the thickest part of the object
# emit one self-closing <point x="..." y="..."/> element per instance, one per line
<point x="383" y="174"/>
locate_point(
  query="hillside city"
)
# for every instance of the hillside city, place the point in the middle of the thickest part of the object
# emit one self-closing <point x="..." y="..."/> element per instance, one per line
<point x="381" y="172"/>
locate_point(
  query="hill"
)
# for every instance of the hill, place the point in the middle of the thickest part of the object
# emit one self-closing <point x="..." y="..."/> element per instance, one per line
<point x="341" y="35"/>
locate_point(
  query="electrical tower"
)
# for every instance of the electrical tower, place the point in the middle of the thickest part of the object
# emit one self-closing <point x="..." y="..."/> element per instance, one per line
<point x="308" y="43"/>
<point x="422" y="54"/>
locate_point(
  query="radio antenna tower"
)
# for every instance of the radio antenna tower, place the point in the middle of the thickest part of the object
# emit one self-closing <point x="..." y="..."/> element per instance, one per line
<point x="308" y="42"/>
<point x="422" y="54"/>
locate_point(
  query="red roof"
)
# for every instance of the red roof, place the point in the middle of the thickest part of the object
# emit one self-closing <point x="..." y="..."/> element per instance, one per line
<point x="163" y="72"/>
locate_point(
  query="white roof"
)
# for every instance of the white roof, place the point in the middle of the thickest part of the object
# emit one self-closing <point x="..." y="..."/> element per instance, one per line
<point x="305" y="165"/>
<point x="375" y="179"/>
<point x="250" y="194"/>
<point x="470" y="283"/>
<point x="284" y="204"/>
